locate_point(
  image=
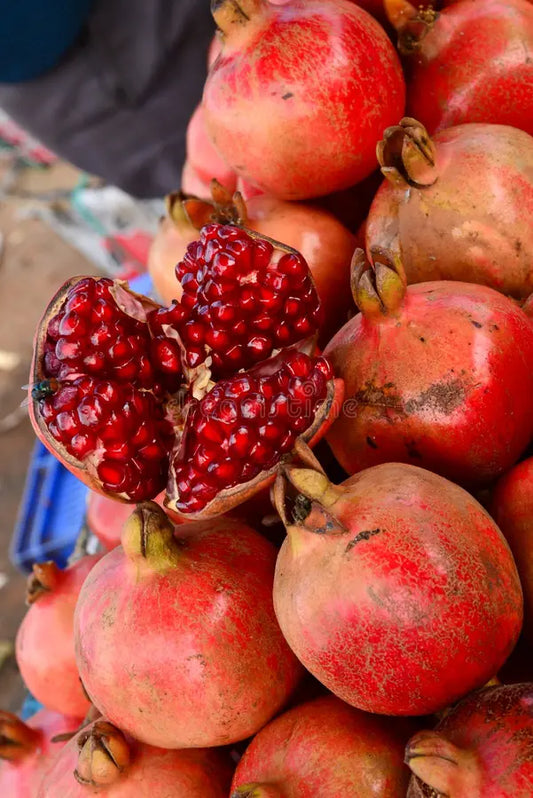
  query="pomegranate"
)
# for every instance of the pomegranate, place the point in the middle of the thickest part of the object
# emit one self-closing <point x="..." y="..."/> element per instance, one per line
<point x="28" y="749"/>
<point x="472" y="62"/>
<point x="395" y="589"/>
<point x="191" y="183"/>
<point x="202" y="156"/>
<point x="325" y="244"/>
<point x="438" y="210"/>
<point x="119" y="382"/>
<point x="101" y="760"/>
<point x="325" y="748"/>
<point x="106" y="517"/>
<point x="208" y="595"/>
<point x="438" y="374"/>
<point x="45" y="639"/>
<point x="512" y="509"/>
<point x="482" y="747"/>
<point x="300" y="93"/>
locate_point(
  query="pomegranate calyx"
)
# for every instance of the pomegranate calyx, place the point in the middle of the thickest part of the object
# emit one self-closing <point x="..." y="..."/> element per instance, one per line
<point x="43" y="579"/>
<point x="442" y="766"/>
<point x="17" y="740"/>
<point x="406" y="155"/>
<point x="223" y="208"/>
<point x="257" y="791"/>
<point x="412" y="24"/>
<point x="148" y="538"/>
<point x="305" y="499"/>
<point x="231" y="13"/>
<point x="378" y="290"/>
<point x="104" y="755"/>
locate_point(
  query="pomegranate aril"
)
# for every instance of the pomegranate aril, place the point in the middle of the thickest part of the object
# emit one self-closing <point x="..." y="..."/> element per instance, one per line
<point x="94" y="363"/>
<point x="279" y="283"/>
<point x="279" y="407"/>
<point x="120" y="351"/>
<point x="241" y="441"/>
<point x="223" y="313"/>
<point x="113" y="474"/>
<point x="53" y="326"/>
<point x="73" y="324"/>
<point x="51" y="364"/>
<point x="66" y="398"/>
<point x="261" y="453"/>
<point x="271" y="431"/>
<point x="119" y="450"/>
<point x="210" y="430"/>
<point x="152" y="451"/>
<point x="218" y="339"/>
<point x="299" y="364"/>
<point x="67" y="350"/>
<point x="226" y="472"/>
<point x="67" y="424"/>
<point x="287" y="442"/>
<point x="224" y="265"/>
<point x="303" y="327"/>
<point x="292" y="307"/>
<point x="102" y="310"/>
<point x="126" y="372"/>
<point x="80" y="302"/>
<point x="91" y="411"/>
<point x="204" y="456"/>
<point x="283" y="333"/>
<point x="237" y="387"/>
<point x="324" y="367"/>
<point x="117" y="428"/>
<point x="259" y="347"/>
<point x="249" y="471"/>
<point x="82" y="445"/>
<point x="253" y="407"/>
<point x="192" y="333"/>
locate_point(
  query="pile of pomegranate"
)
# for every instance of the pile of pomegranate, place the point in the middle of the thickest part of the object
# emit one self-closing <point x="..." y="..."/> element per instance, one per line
<point x="310" y="452"/>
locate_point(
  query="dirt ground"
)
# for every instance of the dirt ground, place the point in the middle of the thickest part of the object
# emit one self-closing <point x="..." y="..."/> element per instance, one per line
<point x="34" y="261"/>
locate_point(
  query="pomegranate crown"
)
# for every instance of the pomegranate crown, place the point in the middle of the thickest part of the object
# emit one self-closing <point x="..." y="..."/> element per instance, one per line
<point x="411" y="23"/>
<point x="17" y="740"/>
<point x="104" y="755"/>
<point x="44" y="578"/>
<point x="439" y="765"/>
<point x="406" y="155"/>
<point x="378" y="289"/>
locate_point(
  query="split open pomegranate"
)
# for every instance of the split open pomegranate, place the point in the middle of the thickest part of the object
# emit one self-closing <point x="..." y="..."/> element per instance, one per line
<point x="124" y="390"/>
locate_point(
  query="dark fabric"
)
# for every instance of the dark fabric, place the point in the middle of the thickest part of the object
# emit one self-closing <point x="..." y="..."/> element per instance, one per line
<point x="35" y="34"/>
<point x="119" y="102"/>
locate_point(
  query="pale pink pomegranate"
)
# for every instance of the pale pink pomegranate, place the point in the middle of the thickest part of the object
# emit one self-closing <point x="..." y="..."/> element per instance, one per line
<point x="101" y="761"/>
<point x="27" y="750"/>
<point x="438" y="212"/>
<point x="201" y="603"/>
<point x="45" y="639"/>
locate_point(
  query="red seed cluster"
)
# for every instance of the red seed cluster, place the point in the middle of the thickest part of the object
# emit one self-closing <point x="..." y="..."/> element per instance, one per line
<point x="242" y="299"/>
<point x="121" y="427"/>
<point x="92" y="335"/>
<point x="244" y="425"/>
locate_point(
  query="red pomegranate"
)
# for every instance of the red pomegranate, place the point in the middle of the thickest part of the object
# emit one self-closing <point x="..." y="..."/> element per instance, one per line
<point x="202" y="156"/>
<point x="192" y="183"/>
<point x="512" y="509"/>
<point x="300" y="93"/>
<point x="325" y="243"/>
<point x="28" y="749"/>
<point x="482" y="747"/>
<point x="202" y="605"/>
<point x="101" y="761"/>
<point x="208" y="396"/>
<point x="438" y="210"/>
<point x="45" y="639"/>
<point x="394" y="589"/>
<point x="325" y="748"/>
<point x="438" y="374"/>
<point x="472" y="62"/>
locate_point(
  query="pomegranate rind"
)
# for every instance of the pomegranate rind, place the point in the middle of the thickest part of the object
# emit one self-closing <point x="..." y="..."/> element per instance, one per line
<point x="227" y="499"/>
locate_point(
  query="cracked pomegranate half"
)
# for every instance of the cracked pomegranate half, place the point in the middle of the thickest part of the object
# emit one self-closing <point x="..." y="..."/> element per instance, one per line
<point x="124" y="392"/>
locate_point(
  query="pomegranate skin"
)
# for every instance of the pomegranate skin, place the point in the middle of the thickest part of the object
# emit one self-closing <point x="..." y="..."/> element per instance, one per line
<point x="442" y="380"/>
<point x="149" y="773"/>
<point x="326" y="748"/>
<point x="482" y="747"/>
<point x="21" y="777"/>
<point x="106" y="517"/>
<point x="213" y="666"/>
<point x="298" y="98"/>
<point x="475" y="65"/>
<point x="45" y="641"/>
<point x="409" y="596"/>
<point x="324" y="242"/>
<point x="202" y="156"/>
<point x="512" y="508"/>
<point x="454" y="225"/>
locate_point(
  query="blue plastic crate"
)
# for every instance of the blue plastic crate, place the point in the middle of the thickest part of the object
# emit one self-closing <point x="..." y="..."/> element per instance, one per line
<point x="51" y="515"/>
<point x="52" y="511"/>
